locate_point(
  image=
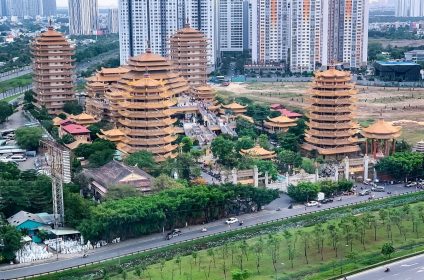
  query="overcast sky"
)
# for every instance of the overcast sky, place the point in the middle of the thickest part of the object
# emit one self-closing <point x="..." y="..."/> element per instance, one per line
<point x="102" y="3"/>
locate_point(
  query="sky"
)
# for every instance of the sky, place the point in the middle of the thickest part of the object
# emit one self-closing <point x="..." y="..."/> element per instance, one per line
<point x="102" y="3"/>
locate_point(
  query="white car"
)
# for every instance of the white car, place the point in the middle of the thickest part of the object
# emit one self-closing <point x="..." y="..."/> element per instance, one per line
<point x="312" y="203"/>
<point x="231" y="221"/>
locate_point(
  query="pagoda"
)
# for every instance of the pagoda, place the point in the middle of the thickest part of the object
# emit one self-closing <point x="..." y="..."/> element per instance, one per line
<point x="382" y="136"/>
<point x="258" y="152"/>
<point x="279" y="124"/>
<point x="114" y="135"/>
<point x="97" y="86"/>
<point x="84" y="119"/>
<point x="331" y="129"/>
<point x="234" y="108"/>
<point x="53" y="72"/>
<point x="205" y="93"/>
<point x="188" y="51"/>
<point x="145" y="118"/>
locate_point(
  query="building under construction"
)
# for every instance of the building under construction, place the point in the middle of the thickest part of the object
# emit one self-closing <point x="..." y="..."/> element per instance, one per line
<point x="53" y="72"/>
<point x="331" y="128"/>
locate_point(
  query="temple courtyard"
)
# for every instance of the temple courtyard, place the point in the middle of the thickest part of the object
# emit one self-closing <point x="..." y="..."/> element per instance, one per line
<point x="404" y="106"/>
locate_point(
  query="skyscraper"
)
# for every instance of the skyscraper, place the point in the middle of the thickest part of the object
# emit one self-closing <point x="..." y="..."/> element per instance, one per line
<point x="327" y="32"/>
<point x="21" y="8"/>
<point x="4" y="8"/>
<point x="48" y="7"/>
<point x="113" y="20"/>
<point x="267" y="29"/>
<point x="231" y="25"/>
<point x="83" y="15"/>
<point x="155" y="21"/>
<point x="409" y="8"/>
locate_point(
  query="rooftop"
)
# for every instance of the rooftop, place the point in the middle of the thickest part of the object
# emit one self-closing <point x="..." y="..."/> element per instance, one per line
<point x="396" y="63"/>
<point x="382" y="127"/>
<point x="75" y="129"/>
<point x="257" y="151"/>
<point x="23" y="216"/>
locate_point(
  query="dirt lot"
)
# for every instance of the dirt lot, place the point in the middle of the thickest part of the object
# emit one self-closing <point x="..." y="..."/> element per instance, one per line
<point x="403" y="105"/>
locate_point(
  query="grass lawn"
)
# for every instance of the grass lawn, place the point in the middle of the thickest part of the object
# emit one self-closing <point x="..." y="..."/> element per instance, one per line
<point x="16" y="82"/>
<point x="354" y="241"/>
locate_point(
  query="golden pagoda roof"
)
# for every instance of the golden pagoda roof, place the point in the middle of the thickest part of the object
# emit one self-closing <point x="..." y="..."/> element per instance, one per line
<point x="56" y="121"/>
<point x="282" y="119"/>
<point x="234" y="106"/>
<point x="146" y="82"/>
<point x="247" y="118"/>
<point x="257" y="151"/>
<point x="332" y="73"/>
<point x="76" y="143"/>
<point x="117" y="70"/>
<point x="83" y="117"/>
<point x="51" y="33"/>
<point x="148" y="56"/>
<point x="204" y="88"/>
<point x="381" y="127"/>
<point x="97" y="84"/>
<point x="112" y="132"/>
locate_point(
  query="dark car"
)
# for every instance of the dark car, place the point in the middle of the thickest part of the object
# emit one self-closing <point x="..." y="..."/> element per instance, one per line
<point x="327" y="200"/>
<point x="364" y="192"/>
<point x="173" y="233"/>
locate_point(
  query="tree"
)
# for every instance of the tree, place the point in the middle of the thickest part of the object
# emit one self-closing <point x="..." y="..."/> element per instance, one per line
<point x="308" y="165"/>
<point x="224" y="150"/>
<point x="239" y="275"/>
<point x="68" y="138"/>
<point x="258" y="249"/>
<point x="6" y="110"/>
<point x="244" y="142"/>
<point x="289" y="141"/>
<point x="387" y="250"/>
<point x="100" y="158"/>
<point x="11" y="238"/>
<point x="287" y="160"/>
<point x="163" y="182"/>
<point x="305" y="236"/>
<point x="344" y="185"/>
<point x="186" y="144"/>
<point x="304" y="191"/>
<point x="142" y="159"/>
<point x="402" y="165"/>
<point x="291" y="245"/>
<point x="29" y="137"/>
<point x="328" y="187"/>
<point x="187" y="167"/>
<point x="121" y="191"/>
<point x="245" y="128"/>
<point x="72" y="107"/>
<point x="263" y="141"/>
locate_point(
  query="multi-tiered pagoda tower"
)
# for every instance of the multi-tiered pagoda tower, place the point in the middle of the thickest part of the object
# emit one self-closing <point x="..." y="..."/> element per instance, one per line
<point x="146" y="118"/>
<point x="53" y="79"/>
<point x="332" y="104"/>
<point x="189" y="54"/>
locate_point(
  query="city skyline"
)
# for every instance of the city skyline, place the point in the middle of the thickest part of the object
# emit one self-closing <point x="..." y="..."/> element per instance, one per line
<point x="102" y="3"/>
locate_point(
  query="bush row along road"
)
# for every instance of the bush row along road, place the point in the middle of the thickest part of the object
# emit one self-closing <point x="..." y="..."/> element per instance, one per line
<point x="156" y="240"/>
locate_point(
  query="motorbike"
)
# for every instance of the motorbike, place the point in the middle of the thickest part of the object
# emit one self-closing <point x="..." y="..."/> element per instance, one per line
<point x="241" y="223"/>
<point x="204" y="229"/>
<point x="387" y="269"/>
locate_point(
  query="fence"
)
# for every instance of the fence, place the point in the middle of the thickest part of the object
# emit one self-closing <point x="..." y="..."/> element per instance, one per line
<point x="214" y="234"/>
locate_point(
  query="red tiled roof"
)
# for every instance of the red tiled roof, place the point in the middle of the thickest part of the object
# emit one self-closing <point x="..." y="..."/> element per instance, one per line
<point x="289" y="113"/>
<point x="276" y="106"/>
<point x="64" y="122"/>
<point x="75" y="129"/>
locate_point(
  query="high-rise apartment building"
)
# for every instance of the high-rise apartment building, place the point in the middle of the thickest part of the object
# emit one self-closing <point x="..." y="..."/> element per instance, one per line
<point x="21" y="8"/>
<point x="267" y="29"/>
<point x="4" y="8"/>
<point x="327" y="32"/>
<point x="153" y="22"/>
<point x="83" y="17"/>
<point x="48" y="8"/>
<point x="53" y="72"/>
<point x="231" y="25"/>
<point x="113" y="20"/>
<point x="409" y="8"/>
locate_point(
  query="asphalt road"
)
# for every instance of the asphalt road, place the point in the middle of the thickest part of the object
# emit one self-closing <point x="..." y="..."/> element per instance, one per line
<point x="15" y="74"/>
<point x="155" y="240"/>
<point x="408" y="269"/>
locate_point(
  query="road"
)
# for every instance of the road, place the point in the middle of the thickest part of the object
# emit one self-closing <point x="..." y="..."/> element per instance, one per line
<point x="14" y="74"/>
<point x="407" y="269"/>
<point x="156" y="240"/>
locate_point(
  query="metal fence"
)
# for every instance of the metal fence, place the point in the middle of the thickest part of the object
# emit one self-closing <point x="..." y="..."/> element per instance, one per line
<point x="218" y="233"/>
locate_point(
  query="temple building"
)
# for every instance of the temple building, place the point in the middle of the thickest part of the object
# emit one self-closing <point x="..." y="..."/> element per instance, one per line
<point x="205" y="93"/>
<point x="146" y="118"/>
<point x="84" y="119"/>
<point x="234" y="109"/>
<point x="53" y="72"/>
<point x="279" y="124"/>
<point x="97" y="86"/>
<point x="331" y="129"/>
<point x="258" y="152"/>
<point x="382" y="136"/>
<point x="189" y="55"/>
<point x="114" y="135"/>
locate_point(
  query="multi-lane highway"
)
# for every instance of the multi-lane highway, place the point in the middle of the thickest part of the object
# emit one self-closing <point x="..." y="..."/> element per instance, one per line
<point x="408" y="269"/>
<point x="152" y="241"/>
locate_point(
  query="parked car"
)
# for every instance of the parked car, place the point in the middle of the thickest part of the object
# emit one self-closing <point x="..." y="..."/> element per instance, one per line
<point x="327" y="200"/>
<point x="312" y="203"/>
<point x="411" y="184"/>
<point x="364" y="192"/>
<point x="174" y="233"/>
<point x="231" y="221"/>
<point x="18" y="158"/>
<point x="378" y="189"/>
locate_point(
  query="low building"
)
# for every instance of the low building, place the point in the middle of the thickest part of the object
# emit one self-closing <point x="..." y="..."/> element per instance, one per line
<point x="116" y="173"/>
<point x="234" y="108"/>
<point x="258" y="152"/>
<point x="419" y="147"/>
<point x="114" y="135"/>
<point x="397" y="71"/>
<point x="416" y="56"/>
<point x="79" y="132"/>
<point x="84" y="119"/>
<point x="31" y="223"/>
<point x="279" y="124"/>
